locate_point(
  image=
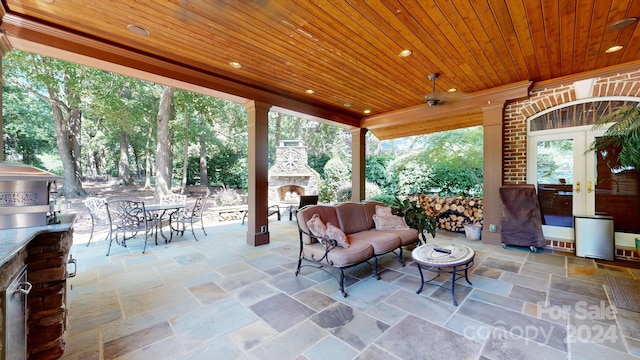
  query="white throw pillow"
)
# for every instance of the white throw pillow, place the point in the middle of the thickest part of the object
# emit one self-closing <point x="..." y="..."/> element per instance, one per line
<point x="316" y="226"/>
<point x="383" y="211"/>
<point x="335" y="233"/>
<point x="392" y="222"/>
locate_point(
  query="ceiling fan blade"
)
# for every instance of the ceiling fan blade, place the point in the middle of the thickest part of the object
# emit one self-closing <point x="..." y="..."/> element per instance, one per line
<point x="436" y="98"/>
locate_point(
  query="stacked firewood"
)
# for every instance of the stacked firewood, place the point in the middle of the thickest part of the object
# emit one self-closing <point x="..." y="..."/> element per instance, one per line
<point x="452" y="212"/>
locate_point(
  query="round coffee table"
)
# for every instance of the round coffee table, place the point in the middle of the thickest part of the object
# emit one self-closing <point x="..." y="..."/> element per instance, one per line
<point x="444" y="258"/>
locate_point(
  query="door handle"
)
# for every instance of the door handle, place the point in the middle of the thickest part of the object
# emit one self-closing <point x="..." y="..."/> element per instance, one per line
<point x="589" y="187"/>
<point x="577" y="188"/>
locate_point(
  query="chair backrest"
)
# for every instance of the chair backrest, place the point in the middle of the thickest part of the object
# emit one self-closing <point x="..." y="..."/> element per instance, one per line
<point x="126" y="215"/>
<point x="308" y="200"/>
<point x="97" y="208"/>
<point x="173" y="199"/>
<point x="198" y="208"/>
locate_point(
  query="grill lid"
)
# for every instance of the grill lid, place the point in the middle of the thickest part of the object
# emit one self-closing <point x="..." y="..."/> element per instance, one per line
<point x="21" y="172"/>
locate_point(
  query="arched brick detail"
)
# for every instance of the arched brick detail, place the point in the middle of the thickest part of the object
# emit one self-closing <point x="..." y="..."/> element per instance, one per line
<point x="516" y="114"/>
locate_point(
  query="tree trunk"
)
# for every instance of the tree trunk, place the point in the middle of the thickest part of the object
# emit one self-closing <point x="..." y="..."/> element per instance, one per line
<point x="124" y="171"/>
<point x="164" y="156"/>
<point x="185" y="159"/>
<point x="147" y="155"/>
<point x="204" y="174"/>
<point x="277" y="129"/>
<point x="66" y="138"/>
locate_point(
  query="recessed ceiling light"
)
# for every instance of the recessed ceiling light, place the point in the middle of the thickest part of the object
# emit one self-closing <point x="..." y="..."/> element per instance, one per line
<point x="622" y="23"/>
<point x="452" y="90"/>
<point x="614" y="49"/>
<point x="48" y="1"/>
<point x="138" y="30"/>
<point x="235" y="65"/>
<point x="348" y="104"/>
<point x="367" y="111"/>
<point x="309" y="91"/>
<point x="405" y="53"/>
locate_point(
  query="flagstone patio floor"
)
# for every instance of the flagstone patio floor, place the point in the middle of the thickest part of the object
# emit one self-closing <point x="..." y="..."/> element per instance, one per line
<point x="219" y="298"/>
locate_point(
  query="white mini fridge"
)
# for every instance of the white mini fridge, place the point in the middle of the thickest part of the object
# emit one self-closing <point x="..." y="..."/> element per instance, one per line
<point x="594" y="236"/>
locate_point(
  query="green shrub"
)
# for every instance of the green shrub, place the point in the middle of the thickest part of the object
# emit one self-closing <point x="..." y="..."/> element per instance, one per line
<point x="385" y="198"/>
<point x="227" y="197"/>
<point x="344" y="191"/>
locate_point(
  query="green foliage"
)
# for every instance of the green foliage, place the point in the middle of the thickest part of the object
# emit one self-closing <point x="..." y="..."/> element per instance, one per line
<point x="449" y="163"/>
<point x="336" y="173"/>
<point x="344" y="191"/>
<point x="28" y="126"/>
<point x="227" y="197"/>
<point x="376" y="170"/>
<point x="325" y="193"/>
<point x="624" y="133"/>
<point x="385" y="198"/>
<point x="416" y="216"/>
<point x="225" y="167"/>
<point x="455" y="178"/>
<point x="317" y="162"/>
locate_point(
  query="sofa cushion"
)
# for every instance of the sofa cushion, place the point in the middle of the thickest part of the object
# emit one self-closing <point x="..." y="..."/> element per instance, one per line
<point x="334" y="233"/>
<point x="382" y="242"/>
<point x="407" y="236"/>
<point x="338" y="256"/>
<point x="352" y="217"/>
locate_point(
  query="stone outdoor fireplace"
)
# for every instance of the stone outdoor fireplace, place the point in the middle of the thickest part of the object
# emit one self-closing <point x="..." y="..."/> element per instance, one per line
<point x="291" y="176"/>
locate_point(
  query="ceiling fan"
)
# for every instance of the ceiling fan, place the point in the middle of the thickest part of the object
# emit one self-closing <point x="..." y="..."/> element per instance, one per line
<point x="435" y="98"/>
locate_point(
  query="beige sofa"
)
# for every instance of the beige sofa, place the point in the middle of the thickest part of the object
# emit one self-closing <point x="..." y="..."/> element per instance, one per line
<point x="356" y="220"/>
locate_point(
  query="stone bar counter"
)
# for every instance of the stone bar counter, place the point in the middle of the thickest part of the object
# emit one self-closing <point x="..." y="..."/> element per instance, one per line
<point x="45" y="252"/>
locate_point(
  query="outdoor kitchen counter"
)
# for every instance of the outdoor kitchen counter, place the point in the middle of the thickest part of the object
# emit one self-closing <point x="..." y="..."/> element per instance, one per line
<point x="12" y="241"/>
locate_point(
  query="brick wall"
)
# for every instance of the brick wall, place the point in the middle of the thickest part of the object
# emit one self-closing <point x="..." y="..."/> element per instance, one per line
<point x="517" y="113"/>
<point x="47" y="272"/>
<point x="515" y="133"/>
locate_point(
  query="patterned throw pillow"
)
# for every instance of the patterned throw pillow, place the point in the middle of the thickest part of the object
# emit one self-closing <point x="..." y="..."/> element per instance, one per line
<point x="383" y="211"/>
<point x="389" y="222"/>
<point x="316" y="226"/>
<point x="335" y="233"/>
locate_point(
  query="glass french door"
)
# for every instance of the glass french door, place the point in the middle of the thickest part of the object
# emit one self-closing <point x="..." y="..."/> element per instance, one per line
<point x="572" y="180"/>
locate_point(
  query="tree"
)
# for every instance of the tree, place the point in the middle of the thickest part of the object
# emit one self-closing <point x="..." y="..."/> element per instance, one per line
<point x="164" y="153"/>
<point x="121" y="109"/>
<point x="28" y="129"/>
<point x="62" y="85"/>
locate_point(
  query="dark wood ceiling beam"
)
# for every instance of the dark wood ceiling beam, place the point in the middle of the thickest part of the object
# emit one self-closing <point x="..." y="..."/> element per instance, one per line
<point x="35" y="32"/>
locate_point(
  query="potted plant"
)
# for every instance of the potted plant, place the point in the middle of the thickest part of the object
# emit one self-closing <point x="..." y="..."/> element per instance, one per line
<point x="416" y="217"/>
<point x="623" y="133"/>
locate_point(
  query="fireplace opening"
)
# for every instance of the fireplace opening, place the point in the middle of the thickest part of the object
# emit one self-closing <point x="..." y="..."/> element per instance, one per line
<point x="290" y="194"/>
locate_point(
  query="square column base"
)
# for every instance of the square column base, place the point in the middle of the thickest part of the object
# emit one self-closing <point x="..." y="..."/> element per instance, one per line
<point x="257" y="239"/>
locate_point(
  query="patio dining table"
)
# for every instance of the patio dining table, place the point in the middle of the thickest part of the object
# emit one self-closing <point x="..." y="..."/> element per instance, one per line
<point x="158" y="211"/>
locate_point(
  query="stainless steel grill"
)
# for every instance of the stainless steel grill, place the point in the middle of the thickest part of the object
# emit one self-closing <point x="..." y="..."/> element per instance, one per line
<point x="25" y="196"/>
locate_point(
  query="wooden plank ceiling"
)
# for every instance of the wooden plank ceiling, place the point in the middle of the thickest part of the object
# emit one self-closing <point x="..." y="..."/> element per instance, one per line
<point x="345" y="51"/>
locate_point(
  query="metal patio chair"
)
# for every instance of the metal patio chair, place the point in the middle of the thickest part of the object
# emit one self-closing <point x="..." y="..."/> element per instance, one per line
<point x="189" y="216"/>
<point x="129" y="218"/>
<point x="98" y="211"/>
